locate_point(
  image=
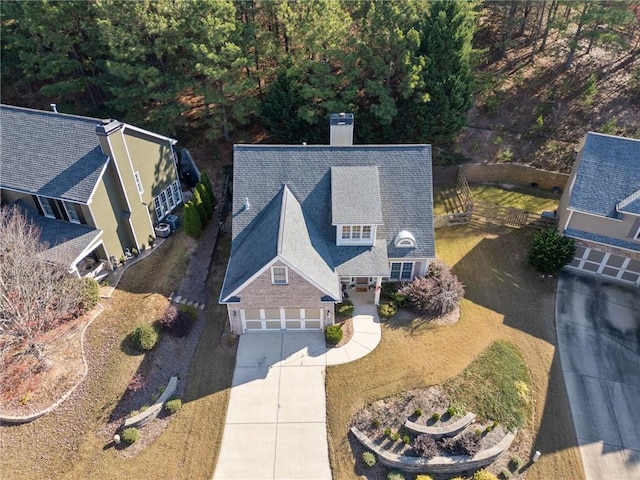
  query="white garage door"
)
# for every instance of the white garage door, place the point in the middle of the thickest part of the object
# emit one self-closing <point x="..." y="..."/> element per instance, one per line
<point x="607" y="264"/>
<point x="256" y="319"/>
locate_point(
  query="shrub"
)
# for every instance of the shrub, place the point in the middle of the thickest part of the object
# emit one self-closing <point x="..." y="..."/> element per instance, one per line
<point x="204" y="180"/>
<point x="425" y="446"/>
<point x="144" y="337"/>
<point x="333" y="334"/>
<point x="505" y="474"/>
<point x="173" y="405"/>
<point x="417" y="412"/>
<point x="207" y="201"/>
<point x="387" y="310"/>
<point x="395" y="436"/>
<point x="406" y="439"/>
<point x="192" y="222"/>
<point x="455" y="410"/>
<point x="424" y="477"/>
<point x="516" y="462"/>
<point x="137" y="382"/>
<point x="395" y="476"/>
<point x="435" y="417"/>
<point x="176" y="321"/>
<point x="189" y="310"/>
<point x="369" y="459"/>
<point x="478" y="432"/>
<point x="387" y="432"/>
<point x="437" y="293"/>
<point x="484" y="475"/>
<point x="130" y="435"/>
<point x="345" y="309"/>
<point x="550" y="251"/>
<point x="390" y="290"/>
<point x="375" y="423"/>
<point x="89" y="294"/>
<point x="469" y="443"/>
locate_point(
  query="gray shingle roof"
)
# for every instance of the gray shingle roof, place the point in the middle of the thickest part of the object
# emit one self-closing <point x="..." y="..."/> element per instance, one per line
<point x="609" y="171"/>
<point x="355" y="196"/>
<point x="49" y="154"/>
<point x="66" y="241"/>
<point x="261" y="171"/>
<point x="592" y="237"/>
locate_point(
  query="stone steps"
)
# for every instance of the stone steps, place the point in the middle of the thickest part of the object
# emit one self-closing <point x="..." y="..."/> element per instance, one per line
<point x="185" y="301"/>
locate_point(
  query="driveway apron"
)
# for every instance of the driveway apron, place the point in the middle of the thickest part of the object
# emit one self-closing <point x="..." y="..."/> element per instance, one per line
<point x="276" y="419"/>
<point x="598" y="325"/>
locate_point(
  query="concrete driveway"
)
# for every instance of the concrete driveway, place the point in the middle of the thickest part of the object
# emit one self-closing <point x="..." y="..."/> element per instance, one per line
<point x="598" y="325"/>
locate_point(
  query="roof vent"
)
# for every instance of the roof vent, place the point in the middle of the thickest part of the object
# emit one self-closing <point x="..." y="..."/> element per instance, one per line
<point x="246" y="205"/>
<point x="54" y="107"/>
<point x="405" y="239"/>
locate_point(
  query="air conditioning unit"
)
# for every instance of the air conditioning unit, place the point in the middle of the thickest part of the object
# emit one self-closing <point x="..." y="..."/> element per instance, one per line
<point x="163" y="230"/>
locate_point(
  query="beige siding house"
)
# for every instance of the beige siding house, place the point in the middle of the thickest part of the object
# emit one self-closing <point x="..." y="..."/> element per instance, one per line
<point x="311" y="223"/>
<point x="95" y="188"/>
<point x="601" y="207"/>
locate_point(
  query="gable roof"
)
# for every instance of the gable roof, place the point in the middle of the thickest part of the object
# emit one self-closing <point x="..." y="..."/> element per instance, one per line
<point x="608" y="173"/>
<point x="279" y="232"/>
<point x="49" y="154"/>
<point x="261" y="172"/>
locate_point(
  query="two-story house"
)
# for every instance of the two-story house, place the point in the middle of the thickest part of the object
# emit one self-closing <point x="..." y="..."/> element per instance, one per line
<point x="95" y="188"/>
<point x="310" y="222"/>
<point x="601" y="207"/>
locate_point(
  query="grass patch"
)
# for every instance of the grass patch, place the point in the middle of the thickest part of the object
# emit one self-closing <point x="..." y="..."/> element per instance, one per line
<point x="496" y="385"/>
<point x="505" y="300"/>
<point x="529" y="199"/>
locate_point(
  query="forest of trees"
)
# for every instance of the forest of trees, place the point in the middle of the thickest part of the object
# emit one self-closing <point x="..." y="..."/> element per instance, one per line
<point x="406" y="68"/>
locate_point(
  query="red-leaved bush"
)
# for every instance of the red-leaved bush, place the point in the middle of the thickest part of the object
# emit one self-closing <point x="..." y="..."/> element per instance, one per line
<point x="437" y="293"/>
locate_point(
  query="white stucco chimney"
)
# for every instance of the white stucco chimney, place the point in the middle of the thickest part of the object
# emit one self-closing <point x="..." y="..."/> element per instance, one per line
<point x="341" y="129"/>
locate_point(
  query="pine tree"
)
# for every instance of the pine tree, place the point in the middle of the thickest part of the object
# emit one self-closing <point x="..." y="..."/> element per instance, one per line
<point x="550" y="251"/>
<point x="192" y="223"/>
<point x="447" y="35"/>
<point x="279" y="109"/>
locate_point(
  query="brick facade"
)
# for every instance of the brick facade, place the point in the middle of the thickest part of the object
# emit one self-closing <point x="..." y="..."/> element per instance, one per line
<point x="262" y="293"/>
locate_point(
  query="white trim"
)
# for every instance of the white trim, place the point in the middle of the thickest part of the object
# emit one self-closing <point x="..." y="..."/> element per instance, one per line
<point x="340" y="241"/>
<point x="126" y="149"/>
<point x="269" y="264"/>
<point x="88" y="249"/>
<point x="95" y="187"/>
<point x="139" y="186"/>
<point x="273" y="275"/>
<point x="53" y="213"/>
<point x="66" y="209"/>
<point x="568" y="220"/>
<point x="171" y="141"/>
<point x="115" y="163"/>
<point x="637" y="235"/>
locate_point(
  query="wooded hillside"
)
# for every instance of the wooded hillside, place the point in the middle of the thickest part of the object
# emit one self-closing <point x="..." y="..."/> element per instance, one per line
<point x="492" y="81"/>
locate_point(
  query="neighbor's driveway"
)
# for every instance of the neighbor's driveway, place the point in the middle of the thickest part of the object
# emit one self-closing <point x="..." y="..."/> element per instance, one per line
<point x="598" y="325"/>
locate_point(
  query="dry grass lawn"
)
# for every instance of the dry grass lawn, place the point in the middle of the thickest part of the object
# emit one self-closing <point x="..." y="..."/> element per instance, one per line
<point x="70" y="442"/>
<point x="506" y="300"/>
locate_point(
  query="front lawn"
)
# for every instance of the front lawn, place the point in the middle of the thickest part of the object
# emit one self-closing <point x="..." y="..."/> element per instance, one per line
<point x="505" y="300"/>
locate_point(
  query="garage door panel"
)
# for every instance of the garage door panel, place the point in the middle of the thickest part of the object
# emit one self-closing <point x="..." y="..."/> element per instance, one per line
<point x="253" y="324"/>
<point x="312" y="324"/>
<point x="608" y="265"/>
<point x="293" y="324"/>
<point x="591" y="267"/>
<point x="634" y="266"/>
<point x="615" y="261"/>
<point x="596" y="256"/>
<point x="630" y="277"/>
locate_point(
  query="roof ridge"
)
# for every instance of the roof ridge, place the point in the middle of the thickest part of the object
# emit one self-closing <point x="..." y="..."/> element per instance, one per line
<point x="626" y="201"/>
<point x="283" y="212"/>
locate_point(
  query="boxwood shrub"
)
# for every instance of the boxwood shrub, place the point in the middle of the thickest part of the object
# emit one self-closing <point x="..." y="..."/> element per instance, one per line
<point x="130" y="435"/>
<point x="345" y="309"/>
<point x="173" y="405"/>
<point x="387" y="310"/>
<point x="333" y="334"/>
<point x="369" y="459"/>
<point x="144" y="337"/>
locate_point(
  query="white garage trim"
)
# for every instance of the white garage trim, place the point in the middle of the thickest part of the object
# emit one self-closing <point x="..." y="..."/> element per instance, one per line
<point x="276" y="319"/>
<point x="606" y="264"/>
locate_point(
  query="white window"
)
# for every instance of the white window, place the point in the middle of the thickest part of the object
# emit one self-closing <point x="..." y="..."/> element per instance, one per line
<point x="279" y="275"/>
<point x="47" y="206"/>
<point x="158" y="208"/>
<point x="163" y="203"/>
<point x="175" y="192"/>
<point x="72" y="213"/>
<point x="136" y="176"/>
<point x="168" y="199"/>
<point x="401" y="271"/>
<point x="355" y="234"/>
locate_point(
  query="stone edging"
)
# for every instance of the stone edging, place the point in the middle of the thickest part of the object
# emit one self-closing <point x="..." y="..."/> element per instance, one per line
<point x="151" y="412"/>
<point x="449" y="465"/>
<point x="85" y="365"/>
<point x="448" y="430"/>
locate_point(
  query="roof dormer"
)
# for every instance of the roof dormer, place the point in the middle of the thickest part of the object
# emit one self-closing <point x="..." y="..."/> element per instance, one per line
<point x="405" y="239"/>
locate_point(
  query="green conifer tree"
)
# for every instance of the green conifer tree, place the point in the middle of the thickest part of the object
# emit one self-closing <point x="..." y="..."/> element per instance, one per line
<point x="206" y="199"/>
<point x="192" y="223"/>
<point x="202" y="211"/>
<point x="204" y="179"/>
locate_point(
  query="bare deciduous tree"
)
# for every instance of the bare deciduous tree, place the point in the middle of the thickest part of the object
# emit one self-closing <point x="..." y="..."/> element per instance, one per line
<point x="35" y="296"/>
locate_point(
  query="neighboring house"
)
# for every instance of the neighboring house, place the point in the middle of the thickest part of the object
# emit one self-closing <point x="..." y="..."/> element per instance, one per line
<point x="601" y="207"/>
<point x="311" y="223"/>
<point x="94" y="188"/>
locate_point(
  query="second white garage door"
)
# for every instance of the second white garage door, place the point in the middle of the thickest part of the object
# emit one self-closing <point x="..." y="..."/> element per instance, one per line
<point x="607" y="264"/>
<point x="257" y="319"/>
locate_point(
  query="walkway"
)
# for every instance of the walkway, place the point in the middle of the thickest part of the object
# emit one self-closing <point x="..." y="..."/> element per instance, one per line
<point x="276" y="419"/>
<point x="598" y="326"/>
